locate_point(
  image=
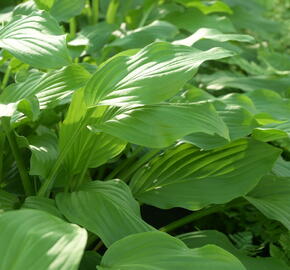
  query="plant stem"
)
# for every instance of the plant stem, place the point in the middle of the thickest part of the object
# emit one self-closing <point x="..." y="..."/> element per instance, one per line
<point x="112" y="11"/>
<point x="6" y="77"/>
<point x="26" y="183"/>
<point x="146" y="15"/>
<point x="72" y="28"/>
<point x="95" y="11"/>
<point x="199" y="214"/>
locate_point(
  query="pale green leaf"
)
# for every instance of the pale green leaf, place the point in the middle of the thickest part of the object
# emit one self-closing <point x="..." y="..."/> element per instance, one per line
<point x="40" y="241"/>
<point x="187" y="177"/>
<point x="36" y="39"/>
<point x="160" y="251"/>
<point x="107" y="209"/>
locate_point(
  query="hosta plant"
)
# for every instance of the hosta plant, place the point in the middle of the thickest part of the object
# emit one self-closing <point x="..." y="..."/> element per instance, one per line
<point x="144" y="135"/>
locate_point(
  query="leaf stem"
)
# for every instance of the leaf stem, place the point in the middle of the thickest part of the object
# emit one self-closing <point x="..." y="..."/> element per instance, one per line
<point x="95" y="11"/>
<point x="112" y="11"/>
<point x="6" y="77"/>
<point x="26" y="183"/>
<point x="199" y="214"/>
<point x="72" y="28"/>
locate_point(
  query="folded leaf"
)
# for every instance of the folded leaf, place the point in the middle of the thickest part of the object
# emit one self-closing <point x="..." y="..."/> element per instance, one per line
<point x="36" y="40"/>
<point x="107" y="209"/>
<point x="40" y="241"/>
<point x="187" y="177"/>
<point x="160" y="251"/>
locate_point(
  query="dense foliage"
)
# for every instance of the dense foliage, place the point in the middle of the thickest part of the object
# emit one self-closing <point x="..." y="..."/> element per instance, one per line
<point x="145" y="134"/>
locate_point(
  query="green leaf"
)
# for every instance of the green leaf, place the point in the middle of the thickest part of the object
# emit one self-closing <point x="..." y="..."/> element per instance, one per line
<point x="272" y="197"/>
<point x="160" y="251"/>
<point x="40" y="241"/>
<point x="107" y="209"/>
<point x="90" y="260"/>
<point x="202" y="238"/>
<point x="158" y="126"/>
<point x="50" y="89"/>
<point x="154" y="74"/>
<point x="43" y="204"/>
<point x="213" y="34"/>
<point x="63" y="10"/>
<point x="187" y="177"/>
<point x="36" y="40"/>
<point x="140" y="37"/>
<point x="281" y="168"/>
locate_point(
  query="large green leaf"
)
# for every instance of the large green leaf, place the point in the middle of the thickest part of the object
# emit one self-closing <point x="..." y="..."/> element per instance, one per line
<point x="154" y="74"/>
<point x="201" y="238"/>
<point x="8" y="201"/>
<point x="188" y="177"/>
<point x="35" y="240"/>
<point x="50" y="89"/>
<point x="107" y="209"/>
<point x="159" y="251"/>
<point x="158" y="126"/>
<point x="36" y="40"/>
<point x="272" y="198"/>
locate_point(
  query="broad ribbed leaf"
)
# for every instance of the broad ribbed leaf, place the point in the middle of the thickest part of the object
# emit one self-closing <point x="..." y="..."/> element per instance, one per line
<point x="187" y="177"/>
<point x="202" y="238"/>
<point x="160" y="251"/>
<point x="36" y="40"/>
<point x="154" y="74"/>
<point x="281" y="168"/>
<point x="158" y="126"/>
<point x="50" y="88"/>
<point x="272" y="198"/>
<point x="213" y="34"/>
<point x="107" y="209"/>
<point x="35" y="240"/>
